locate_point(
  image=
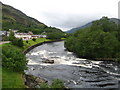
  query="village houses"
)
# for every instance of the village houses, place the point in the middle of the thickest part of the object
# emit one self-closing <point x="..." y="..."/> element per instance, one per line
<point x="24" y="36"/>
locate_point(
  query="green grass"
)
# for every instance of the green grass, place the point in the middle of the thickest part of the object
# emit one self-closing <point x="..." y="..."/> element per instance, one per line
<point x="0" y="77"/>
<point x="12" y="79"/>
<point x="31" y="42"/>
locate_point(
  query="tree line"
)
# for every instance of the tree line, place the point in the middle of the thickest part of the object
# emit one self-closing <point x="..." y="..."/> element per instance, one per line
<point x="101" y="40"/>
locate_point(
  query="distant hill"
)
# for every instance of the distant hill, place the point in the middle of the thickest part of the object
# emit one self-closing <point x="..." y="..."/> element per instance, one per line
<point x="89" y="24"/>
<point x="78" y="28"/>
<point x="15" y="19"/>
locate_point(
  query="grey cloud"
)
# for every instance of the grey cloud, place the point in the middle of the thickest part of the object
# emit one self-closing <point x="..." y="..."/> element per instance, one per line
<point x="67" y="21"/>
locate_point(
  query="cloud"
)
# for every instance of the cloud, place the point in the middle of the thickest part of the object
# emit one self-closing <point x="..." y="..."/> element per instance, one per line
<point x="66" y="14"/>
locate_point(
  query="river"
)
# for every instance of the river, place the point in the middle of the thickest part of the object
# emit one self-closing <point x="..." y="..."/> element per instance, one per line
<point x="75" y="72"/>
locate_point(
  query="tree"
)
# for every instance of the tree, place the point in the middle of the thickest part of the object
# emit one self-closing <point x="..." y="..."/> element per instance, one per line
<point x="55" y="35"/>
<point x="34" y="39"/>
<point x="11" y="36"/>
<point x="20" y="42"/>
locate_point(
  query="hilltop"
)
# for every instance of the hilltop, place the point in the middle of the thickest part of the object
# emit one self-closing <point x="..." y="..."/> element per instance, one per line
<point x="15" y="19"/>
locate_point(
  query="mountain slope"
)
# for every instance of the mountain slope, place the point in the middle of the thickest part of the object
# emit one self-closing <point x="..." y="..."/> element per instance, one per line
<point x="15" y="19"/>
<point x="117" y="21"/>
<point x="78" y="28"/>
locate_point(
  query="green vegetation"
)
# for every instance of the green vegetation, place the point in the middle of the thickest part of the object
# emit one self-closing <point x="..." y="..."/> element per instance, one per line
<point x="13" y="58"/>
<point x="15" y="19"/>
<point x="34" y="39"/>
<point x="14" y="62"/>
<point x="55" y="84"/>
<point x="55" y="35"/>
<point x="29" y="43"/>
<point x="11" y="79"/>
<point x="15" y="41"/>
<point x="98" y="41"/>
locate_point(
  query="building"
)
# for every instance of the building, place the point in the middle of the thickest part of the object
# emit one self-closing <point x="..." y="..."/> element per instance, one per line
<point x="24" y="36"/>
<point x="2" y="34"/>
<point x="28" y="36"/>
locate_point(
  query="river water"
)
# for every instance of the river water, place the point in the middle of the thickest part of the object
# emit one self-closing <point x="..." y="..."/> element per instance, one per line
<point x="75" y="72"/>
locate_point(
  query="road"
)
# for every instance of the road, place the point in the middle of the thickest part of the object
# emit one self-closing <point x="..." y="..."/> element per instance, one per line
<point x="3" y="42"/>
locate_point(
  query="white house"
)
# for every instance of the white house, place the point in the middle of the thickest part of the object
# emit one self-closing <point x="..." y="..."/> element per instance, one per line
<point x="24" y="36"/>
<point x="28" y="36"/>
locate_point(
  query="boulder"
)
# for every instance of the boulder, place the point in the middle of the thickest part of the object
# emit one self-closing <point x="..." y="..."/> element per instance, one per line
<point x="48" y="61"/>
<point x="39" y="80"/>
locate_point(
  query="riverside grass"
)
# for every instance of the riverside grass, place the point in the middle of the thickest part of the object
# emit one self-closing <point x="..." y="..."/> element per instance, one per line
<point x="11" y="79"/>
<point x="31" y="42"/>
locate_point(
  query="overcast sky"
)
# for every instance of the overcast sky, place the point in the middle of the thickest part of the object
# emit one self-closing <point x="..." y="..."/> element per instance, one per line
<point x="66" y="14"/>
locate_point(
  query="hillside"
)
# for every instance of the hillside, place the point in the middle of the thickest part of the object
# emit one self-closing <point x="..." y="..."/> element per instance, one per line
<point x="15" y="19"/>
<point x="101" y="40"/>
<point x="78" y="28"/>
<point x="89" y="24"/>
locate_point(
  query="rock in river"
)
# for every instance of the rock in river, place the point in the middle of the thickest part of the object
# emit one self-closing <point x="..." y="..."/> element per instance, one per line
<point x="48" y="61"/>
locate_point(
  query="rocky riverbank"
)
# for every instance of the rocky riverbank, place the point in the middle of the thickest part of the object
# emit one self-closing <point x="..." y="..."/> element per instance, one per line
<point x="32" y="81"/>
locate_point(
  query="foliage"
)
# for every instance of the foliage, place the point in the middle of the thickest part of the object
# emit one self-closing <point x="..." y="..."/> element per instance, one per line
<point x="17" y="42"/>
<point x="34" y="39"/>
<point x="44" y="85"/>
<point x="55" y="35"/>
<point x="55" y="84"/>
<point x="27" y="41"/>
<point x="13" y="58"/>
<point x="5" y="38"/>
<point x="11" y="36"/>
<point x="14" y="40"/>
<point x="98" y="41"/>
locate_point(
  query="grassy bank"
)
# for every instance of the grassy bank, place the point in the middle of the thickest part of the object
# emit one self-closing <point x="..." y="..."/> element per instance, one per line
<point x="12" y="79"/>
<point x="31" y="42"/>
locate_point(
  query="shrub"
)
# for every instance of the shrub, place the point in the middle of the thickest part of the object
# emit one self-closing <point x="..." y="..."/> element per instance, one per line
<point x="44" y="85"/>
<point x="55" y="84"/>
<point x="27" y="41"/>
<point x="13" y="58"/>
<point x="17" y="42"/>
<point x="34" y="39"/>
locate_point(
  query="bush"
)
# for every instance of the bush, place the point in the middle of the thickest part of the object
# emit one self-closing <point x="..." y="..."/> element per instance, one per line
<point x="44" y="85"/>
<point x="55" y="84"/>
<point x="13" y="58"/>
<point x="11" y="36"/>
<point x="118" y="57"/>
<point x="27" y="41"/>
<point x="17" y="42"/>
<point x="34" y="39"/>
